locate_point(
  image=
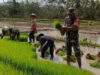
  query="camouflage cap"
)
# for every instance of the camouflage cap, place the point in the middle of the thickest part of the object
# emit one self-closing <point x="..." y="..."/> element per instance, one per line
<point x="71" y="10"/>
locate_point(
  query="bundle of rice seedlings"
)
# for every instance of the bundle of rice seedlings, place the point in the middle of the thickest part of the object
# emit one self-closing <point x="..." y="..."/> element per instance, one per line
<point x="57" y="25"/>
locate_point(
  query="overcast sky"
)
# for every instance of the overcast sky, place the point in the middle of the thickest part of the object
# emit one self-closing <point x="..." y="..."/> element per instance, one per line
<point x="1" y="1"/>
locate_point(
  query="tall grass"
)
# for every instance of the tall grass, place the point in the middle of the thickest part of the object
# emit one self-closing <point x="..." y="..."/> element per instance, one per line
<point x="22" y="56"/>
<point x="8" y="70"/>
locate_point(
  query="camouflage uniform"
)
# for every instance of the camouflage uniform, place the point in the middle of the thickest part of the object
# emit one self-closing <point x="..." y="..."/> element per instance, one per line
<point x="72" y="37"/>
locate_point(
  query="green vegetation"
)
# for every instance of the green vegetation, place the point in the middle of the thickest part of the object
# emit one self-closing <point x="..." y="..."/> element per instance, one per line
<point x="73" y="59"/>
<point x="57" y="25"/>
<point x="8" y="70"/>
<point x="22" y="56"/>
<point x="84" y="41"/>
<point x="95" y="64"/>
<point x="95" y="57"/>
<point x="82" y="22"/>
<point x="13" y="8"/>
<point x="14" y="19"/>
<point x="62" y="53"/>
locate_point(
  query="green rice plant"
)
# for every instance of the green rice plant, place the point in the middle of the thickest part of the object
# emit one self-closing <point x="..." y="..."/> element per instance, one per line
<point x="72" y="59"/>
<point x="21" y="56"/>
<point x="57" y="25"/>
<point x="62" y="53"/>
<point x="95" y="57"/>
<point x="8" y="70"/>
<point x="95" y="64"/>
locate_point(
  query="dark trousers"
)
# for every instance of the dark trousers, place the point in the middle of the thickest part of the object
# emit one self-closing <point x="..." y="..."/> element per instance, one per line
<point x="15" y="34"/>
<point x="31" y="36"/>
<point x="50" y="44"/>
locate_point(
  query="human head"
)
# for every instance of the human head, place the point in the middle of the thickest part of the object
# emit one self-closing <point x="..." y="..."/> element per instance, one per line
<point x="38" y="37"/>
<point x="71" y="12"/>
<point x="33" y="15"/>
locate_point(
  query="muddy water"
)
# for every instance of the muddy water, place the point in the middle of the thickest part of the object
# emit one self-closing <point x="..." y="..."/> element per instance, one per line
<point x="91" y="37"/>
<point x="49" y="30"/>
<point x="85" y="62"/>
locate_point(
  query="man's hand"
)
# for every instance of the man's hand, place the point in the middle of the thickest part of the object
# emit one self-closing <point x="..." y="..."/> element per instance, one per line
<point x="74" y="27"/>
<point x="62" y="31"/>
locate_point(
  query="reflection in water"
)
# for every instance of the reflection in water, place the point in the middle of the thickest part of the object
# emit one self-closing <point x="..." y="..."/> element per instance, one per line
<point x="55" y="59"/>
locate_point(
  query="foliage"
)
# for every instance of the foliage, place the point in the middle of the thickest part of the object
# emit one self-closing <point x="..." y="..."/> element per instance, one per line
<point x="47" y="8"/>
<point x="95" y="64"/>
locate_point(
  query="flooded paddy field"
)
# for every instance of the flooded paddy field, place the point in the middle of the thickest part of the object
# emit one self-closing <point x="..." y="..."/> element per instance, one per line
<point x="90" y="32"/>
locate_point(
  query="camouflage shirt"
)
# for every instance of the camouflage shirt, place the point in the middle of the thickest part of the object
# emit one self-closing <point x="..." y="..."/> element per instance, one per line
<point x="71" y="34"/>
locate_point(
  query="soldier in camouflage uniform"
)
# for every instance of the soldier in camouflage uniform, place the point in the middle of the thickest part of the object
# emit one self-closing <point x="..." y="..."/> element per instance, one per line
<point x="71" y="29"/>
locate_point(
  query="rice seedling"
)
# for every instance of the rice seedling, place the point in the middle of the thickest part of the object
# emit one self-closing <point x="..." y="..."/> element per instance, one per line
<point x="95" y="64"/>
<point x="8" y="70"/>
<point x="57" y="25"/>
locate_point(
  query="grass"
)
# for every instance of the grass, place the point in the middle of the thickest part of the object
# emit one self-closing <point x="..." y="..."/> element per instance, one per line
<point x="8" y="70"/>
<point x="22" y="56"/>
<point x="14" y="19"/>
<point x="82" y="22"/>
<point x="95" y="65"/>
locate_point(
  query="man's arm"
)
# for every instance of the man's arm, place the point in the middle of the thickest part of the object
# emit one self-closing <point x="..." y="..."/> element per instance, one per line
<point x="41" y="47"/>
<point x="74" y="27"/>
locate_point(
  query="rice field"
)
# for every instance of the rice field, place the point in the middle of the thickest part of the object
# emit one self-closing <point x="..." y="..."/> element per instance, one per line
<point x="8" y="70"/>
<point x="22" y="57"/>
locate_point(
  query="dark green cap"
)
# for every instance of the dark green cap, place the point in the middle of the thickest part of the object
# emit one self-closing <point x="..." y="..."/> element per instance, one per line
<point x="71" y="10"/>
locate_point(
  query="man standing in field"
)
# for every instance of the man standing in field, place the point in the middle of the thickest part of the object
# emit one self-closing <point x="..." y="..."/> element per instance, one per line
<point x="71" y="29"/>
<point x="33" y="28"/>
